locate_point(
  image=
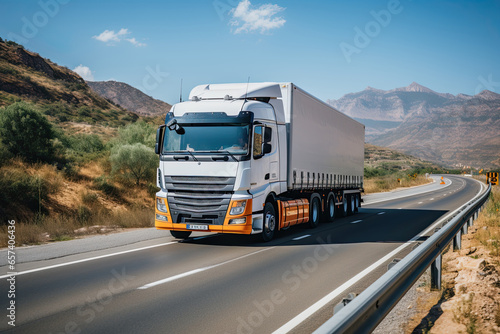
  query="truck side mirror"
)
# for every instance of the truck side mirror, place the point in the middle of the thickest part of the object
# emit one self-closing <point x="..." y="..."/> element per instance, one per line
<point x="159" y="138"/>
<point x="267" y="134"/>
<point x="267" y="148"/>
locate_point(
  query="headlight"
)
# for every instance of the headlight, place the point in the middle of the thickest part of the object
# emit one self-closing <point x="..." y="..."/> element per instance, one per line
<point x="161" y="204"/>
<point x="238" y="208"/>
<point x="161" y="217"/>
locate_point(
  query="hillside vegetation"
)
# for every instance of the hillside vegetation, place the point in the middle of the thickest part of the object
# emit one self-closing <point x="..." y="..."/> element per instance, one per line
<point x="70" y="160"/>
<point x="387" y="169"/>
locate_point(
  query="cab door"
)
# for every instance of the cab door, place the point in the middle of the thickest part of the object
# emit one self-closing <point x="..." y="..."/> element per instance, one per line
<point x="265" y="165"/>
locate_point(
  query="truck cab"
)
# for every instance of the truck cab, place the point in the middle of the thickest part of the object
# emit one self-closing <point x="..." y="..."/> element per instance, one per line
<point x="219" y="159"/>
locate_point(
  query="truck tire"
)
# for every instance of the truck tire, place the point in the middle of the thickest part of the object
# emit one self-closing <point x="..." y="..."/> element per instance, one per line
<point x="352" y="208"/>
<point x="269" y="222"/>
<point x="314" y="212"/>
<point x="180" y="234"/>
<point x="330" y="209"/>
<point x="345" y="206"/>
<point x="357" y="202"/>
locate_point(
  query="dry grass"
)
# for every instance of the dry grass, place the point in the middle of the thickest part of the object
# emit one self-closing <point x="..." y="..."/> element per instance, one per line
<point x="390" y="182"/>
<point x="488" y="234"/>
<point x="86" y="222"/>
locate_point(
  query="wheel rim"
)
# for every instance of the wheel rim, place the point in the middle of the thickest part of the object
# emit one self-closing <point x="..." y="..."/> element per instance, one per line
<point x="331" y="207"/>
<point x="270" y="223"/>
<point x="352" y="204"/>
<point x="345" y="205"/>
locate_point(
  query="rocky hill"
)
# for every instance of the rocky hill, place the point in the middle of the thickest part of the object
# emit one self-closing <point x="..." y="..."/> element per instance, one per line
<point x="130" y="98"/>
<point x="443" y="128"/>
<point x="59" y="92"/>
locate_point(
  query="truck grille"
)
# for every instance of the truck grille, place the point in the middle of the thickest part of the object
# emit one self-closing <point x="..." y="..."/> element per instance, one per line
<point x="205" y="199"/>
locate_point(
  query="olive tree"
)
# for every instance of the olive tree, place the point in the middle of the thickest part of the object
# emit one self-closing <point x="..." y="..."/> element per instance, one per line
<point x="136" y="161"/>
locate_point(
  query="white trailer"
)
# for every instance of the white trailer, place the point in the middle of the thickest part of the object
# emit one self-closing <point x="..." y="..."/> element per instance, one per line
<point x="256" y="158"/>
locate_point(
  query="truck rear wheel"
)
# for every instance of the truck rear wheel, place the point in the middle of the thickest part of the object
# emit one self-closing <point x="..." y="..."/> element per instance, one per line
<point x="330" y="209"/>
<point x="314" y="212"/>
<point x="269" y="223"/>
<point x="345" y="206"/>
<point x="180" y="234"/>
<point x="352" y="209"/>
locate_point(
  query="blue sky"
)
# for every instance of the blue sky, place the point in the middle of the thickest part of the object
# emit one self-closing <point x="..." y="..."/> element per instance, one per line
<point x="329" y="48"/>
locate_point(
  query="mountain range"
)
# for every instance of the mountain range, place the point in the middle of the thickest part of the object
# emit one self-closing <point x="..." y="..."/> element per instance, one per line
<point x="130" y="98"/>
<point x="452" y="130"/>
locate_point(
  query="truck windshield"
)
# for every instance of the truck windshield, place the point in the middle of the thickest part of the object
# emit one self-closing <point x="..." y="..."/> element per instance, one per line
<point x="208" y="139"/>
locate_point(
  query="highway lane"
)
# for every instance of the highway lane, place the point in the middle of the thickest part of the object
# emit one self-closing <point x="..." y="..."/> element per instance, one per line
<point x="229" y="284"/>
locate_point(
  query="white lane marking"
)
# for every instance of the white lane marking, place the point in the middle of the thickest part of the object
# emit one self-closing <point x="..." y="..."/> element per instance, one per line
<point x="89" y="259"/>
<point x="431" y="199"/>
<point x="356" y="221"/>
<point x="196" y="271"/>
<point x="381" y="213"/>
<point x="302" y="237"/>
<point x="420" y="202"/>
<point x="335" y="293"/>
<point x="400" y="208"/>
<point x="325" y="300"/>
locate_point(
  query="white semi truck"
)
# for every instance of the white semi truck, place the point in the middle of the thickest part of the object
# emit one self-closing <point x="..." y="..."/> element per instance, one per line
<point x="256" y="158"/>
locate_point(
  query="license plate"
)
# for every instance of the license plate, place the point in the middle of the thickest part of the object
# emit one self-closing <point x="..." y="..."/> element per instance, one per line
<point x="196" y="227"/>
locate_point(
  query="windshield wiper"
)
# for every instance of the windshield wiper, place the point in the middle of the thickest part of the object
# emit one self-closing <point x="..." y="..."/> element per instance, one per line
<point x="229" y="153"/>
<point x="188" y="152"/>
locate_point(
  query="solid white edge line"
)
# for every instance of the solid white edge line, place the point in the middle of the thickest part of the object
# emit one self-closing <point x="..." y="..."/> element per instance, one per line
<point x="301" y="237"/>
<point x="196" y="271"/>
<point x="85" y="260"/>
<point x="297" y="320"/>
<point x="356" y="221"/>
<point x="381" y="213"/>
<point x="423" y="192"/>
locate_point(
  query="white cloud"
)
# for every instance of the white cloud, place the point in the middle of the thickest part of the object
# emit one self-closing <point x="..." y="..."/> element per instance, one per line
<point x="134" y="42"/>
<point x="84" y="72"/>
<point x="247" y="19"/>
<point x="110" y="36"/>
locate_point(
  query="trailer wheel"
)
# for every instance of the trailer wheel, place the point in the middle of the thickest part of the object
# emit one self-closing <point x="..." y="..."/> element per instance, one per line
<point x="180" y="234"/>
<point x="330" y="211"/>
<point x="269" y="223"/>
<point x="353" y="204"/>
<point x="345" y="206"/>
<point x="357" y="202"/>
<point x="314" y="212"/>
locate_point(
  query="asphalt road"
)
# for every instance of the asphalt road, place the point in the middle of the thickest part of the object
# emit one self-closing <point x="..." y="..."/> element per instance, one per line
<point x="224" y="283"/>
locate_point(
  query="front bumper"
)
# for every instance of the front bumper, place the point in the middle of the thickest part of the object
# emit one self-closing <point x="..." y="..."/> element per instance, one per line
<point x="246" y="228"/>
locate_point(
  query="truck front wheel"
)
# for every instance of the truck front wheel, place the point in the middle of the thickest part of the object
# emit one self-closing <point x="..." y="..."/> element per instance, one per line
<point x="180" y="234"/>
<point x="269" y="223"/>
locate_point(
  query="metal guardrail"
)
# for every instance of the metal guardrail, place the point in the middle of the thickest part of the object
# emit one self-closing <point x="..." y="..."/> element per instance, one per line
<point x="366" y="311"/>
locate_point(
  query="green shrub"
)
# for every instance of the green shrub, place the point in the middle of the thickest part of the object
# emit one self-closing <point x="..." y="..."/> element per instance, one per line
<point x="26" y="132"/>
<point x="139" y="132"/>
<point x="21" y="189"/>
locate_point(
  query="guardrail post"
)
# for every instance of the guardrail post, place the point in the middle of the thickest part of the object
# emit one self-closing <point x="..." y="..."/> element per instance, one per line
<point x="475" y="215"/>
<point x="465" y="227"/>
<point x="471" y="221"/>
<point x="457" y="241"/>
<point x="436" y="268"/>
